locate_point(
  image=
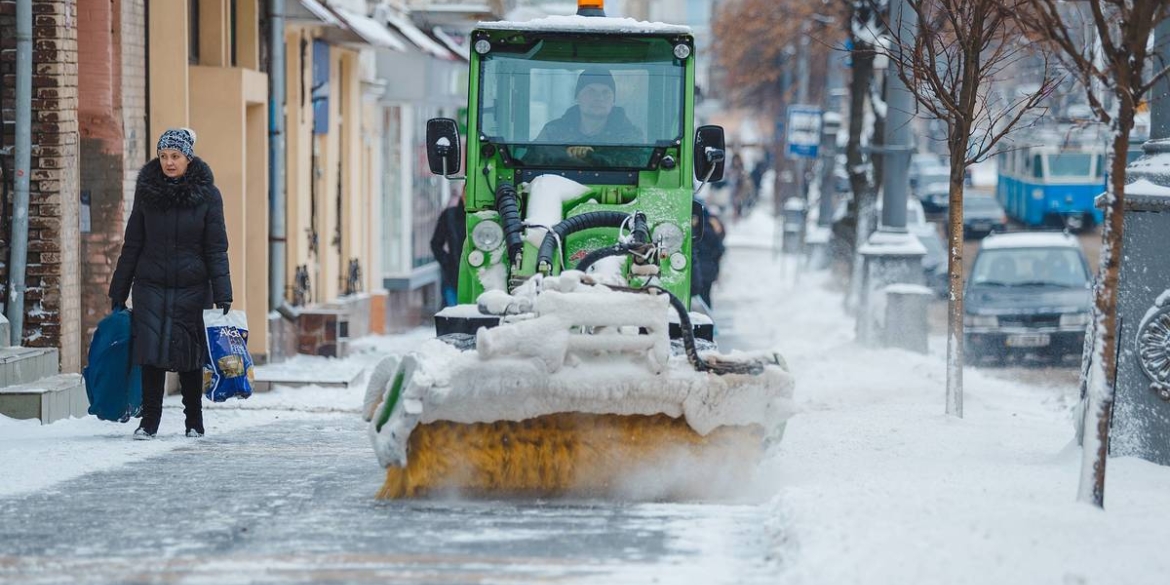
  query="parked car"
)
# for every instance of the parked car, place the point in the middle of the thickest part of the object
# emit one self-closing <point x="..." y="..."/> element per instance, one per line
<point x="934" y="263"/>
<point x="928" y="168"/>
<point x="1027" y="293"/>
<point x="935" y="197"/>
<point x="982" y="214"/>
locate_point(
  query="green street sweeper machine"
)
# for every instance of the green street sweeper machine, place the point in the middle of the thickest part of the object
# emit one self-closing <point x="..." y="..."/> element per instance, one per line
<point x="573" y="363"/>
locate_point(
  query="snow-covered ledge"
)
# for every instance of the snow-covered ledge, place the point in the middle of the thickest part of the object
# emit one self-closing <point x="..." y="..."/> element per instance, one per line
<point x="890" y="257"/>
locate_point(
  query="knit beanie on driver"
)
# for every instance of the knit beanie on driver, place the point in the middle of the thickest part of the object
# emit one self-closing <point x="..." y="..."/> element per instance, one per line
<point x="595" y="75"/>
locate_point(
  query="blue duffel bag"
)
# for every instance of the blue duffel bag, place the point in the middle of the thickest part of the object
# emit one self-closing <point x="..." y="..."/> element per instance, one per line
<point x="112" y="380"/>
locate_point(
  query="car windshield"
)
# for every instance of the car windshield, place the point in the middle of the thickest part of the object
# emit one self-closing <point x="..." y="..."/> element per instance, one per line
<point x="539" y="100"/>
<point x="1062" y="267"/>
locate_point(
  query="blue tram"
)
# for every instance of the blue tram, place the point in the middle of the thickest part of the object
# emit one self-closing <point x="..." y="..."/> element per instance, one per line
<point x="1052" y="185"/>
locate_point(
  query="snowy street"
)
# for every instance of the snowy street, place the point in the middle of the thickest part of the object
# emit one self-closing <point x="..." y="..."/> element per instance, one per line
<point x="872" y="483"/>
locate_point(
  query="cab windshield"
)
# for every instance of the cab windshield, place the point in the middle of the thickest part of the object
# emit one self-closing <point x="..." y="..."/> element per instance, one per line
<point x="582" y="103"/>
<point x="1012" y="267"/>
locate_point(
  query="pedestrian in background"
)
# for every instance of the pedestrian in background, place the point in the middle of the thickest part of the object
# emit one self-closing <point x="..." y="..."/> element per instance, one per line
<point x="741" y="187"/>
<point x="175" y="260"/>
<point x="708" y="253"/>
<point x="447" y="247"/>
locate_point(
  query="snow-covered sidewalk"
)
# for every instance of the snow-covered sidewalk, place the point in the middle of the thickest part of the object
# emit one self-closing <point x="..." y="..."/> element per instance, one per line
<point x="875" y="484"/>
<point x="35" y="457"/>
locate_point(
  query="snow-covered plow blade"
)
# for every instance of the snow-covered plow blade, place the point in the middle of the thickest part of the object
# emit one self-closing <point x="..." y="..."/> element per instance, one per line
<point x="576" y="392"/>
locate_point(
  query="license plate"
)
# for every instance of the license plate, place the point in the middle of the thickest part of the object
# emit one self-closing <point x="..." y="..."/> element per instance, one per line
<point x="980" y="226"/>
<point x="1029" y="340"/>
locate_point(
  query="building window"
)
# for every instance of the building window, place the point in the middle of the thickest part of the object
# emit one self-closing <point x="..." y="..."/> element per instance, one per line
<point x="232" y="31"/>
<point x="193" y="32"/>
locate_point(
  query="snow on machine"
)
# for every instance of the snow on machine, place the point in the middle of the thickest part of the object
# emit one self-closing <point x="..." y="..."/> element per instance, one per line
<point x="572" y="365"/>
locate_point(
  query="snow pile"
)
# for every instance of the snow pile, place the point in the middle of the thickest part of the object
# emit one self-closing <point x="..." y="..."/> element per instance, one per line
<point x="536" y="366"/>
<point x="443" y="383"/>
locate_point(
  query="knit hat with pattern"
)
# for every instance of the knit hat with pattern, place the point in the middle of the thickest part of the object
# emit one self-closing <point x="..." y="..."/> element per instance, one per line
<point x="180" y="139"/>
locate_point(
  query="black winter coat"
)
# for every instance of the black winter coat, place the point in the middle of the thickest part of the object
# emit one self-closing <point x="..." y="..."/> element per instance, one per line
<point x="175" y="256"/>
<point x="447" y="242"/>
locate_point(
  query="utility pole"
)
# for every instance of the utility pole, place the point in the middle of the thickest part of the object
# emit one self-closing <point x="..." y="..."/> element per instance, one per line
<point x="22" y="162"/>
<point x="892" y="255"/>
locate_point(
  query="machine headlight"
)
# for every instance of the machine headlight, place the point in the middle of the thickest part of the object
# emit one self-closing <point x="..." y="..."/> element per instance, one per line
<point x="482" y="46"/>
<point x="487" y="235"/>
<point x="1074" y="319"/>
<point x="669" y="235"/>
<point x="682" y="50"/>
<point x="1038" y="194"/>
<point x="981" y="321"/>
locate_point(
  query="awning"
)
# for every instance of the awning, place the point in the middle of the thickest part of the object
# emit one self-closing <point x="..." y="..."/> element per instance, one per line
<point x="368" y="29"/>
<point x="343" y="25"/>
<point x="452" y="44"/>
<point x="315" y="10"/>
<point x="416" y="36"/>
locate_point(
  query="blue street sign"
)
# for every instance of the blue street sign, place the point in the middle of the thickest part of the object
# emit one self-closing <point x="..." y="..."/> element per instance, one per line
<point x="804" y="131"/>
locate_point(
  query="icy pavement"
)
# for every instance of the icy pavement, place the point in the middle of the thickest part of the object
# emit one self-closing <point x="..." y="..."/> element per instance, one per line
<point x="290" y="502"/>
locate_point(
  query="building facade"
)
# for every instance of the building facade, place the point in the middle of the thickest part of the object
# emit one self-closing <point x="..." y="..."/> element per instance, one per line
<point x="361" y="78"/>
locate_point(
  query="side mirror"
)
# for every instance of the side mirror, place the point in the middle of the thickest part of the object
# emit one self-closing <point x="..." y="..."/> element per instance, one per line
<point x="443" y="146"/>
<point x="709" y="153"/>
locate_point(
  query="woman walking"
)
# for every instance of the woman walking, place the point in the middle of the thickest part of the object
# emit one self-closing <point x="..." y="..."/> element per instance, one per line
<point x="175" y="257"/>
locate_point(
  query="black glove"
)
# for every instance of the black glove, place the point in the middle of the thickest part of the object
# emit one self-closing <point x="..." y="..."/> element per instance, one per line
<point x="117" y="305"/>
<point x="225" y="306"/>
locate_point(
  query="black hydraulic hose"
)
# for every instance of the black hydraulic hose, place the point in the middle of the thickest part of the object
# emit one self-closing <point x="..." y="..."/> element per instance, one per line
<point x="688" y="337"/>
<point x="641" y="231"/>
<point x="584" y="221"/>
<point x="509" y="209"/>
<point x="591" y="258"/>
<point x="639" y="236"/>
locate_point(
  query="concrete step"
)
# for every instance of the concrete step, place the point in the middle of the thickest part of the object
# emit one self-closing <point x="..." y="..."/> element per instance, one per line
<point x="21" y="365"/>
<point x="49" y="399"/>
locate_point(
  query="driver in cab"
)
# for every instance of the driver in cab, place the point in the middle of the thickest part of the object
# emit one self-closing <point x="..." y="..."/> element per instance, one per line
<point x="593" y="120"/>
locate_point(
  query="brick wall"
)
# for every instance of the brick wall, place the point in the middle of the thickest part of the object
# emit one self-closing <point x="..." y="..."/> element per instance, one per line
<point x="52" y="300"/>
<point x="137" y="146"/>
<point x="99" y="88"/>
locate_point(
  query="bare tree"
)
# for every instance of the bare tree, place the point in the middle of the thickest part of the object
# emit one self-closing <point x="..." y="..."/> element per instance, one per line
<point x="756" y="45"/>
<point x="1115" y="63"/>
<point x="960" y="49"/>
<point x="753" y="43"/>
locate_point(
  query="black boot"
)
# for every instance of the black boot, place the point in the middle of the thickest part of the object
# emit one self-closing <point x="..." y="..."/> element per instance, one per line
<point x="191" y="384"/>
<point x="152" y="396"/>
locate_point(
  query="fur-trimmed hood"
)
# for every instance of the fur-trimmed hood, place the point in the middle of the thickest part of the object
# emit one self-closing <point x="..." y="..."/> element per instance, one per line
<point x="155" y="191"/>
